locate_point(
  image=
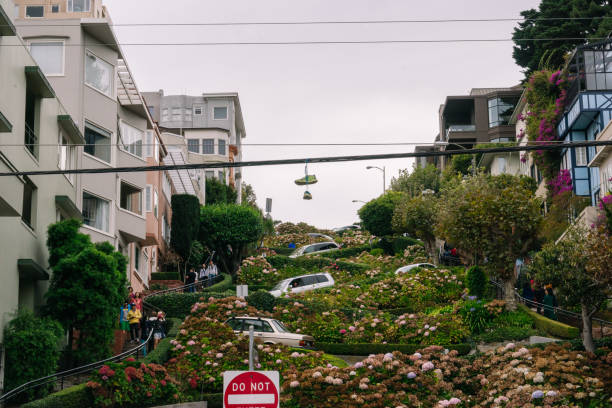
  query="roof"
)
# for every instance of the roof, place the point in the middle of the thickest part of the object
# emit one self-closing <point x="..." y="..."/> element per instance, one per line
<point x="486" y="91"/>
<point x="180" y="178"/>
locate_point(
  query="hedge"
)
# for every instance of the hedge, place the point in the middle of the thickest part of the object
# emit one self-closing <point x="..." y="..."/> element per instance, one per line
<point x="283" y="251"/>
<point x="552" y="327"/>
<point x="165" y="276"/>
<point x="347" y="252"/>
<point x="364" y="349"/>
<point x="161" y="354"/>
<point x="314" y="263"/>
<point x="179" y="304"/>
<point x="222" y="286"/>
<point x="77" y="396"/>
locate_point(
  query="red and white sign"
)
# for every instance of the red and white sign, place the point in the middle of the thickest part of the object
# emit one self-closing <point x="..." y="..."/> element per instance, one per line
<point x="251" y="389"/>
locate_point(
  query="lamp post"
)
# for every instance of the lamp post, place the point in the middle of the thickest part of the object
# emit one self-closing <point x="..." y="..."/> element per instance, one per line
<point x="383" y="172"/>
<point x="439" y="143"/>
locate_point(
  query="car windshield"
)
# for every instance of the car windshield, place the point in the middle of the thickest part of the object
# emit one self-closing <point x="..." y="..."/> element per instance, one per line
<point x="280" y="326"/>
<point x="279" y="285"/>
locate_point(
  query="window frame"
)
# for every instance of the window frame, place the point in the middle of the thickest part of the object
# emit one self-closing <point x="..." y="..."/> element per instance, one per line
<point x="125" y="147"/>
<point x="98" y="129"/>
<point x="221" y="142"/>
<point x="34" y="6"/>
<point x="70" y="6"/>
<point x="214" y="116"/>
<point x="155" y="203"/>
<point x="88" y="53"/>
<point x="148" y="198"/>
<point x="191" y="143"/>
<point x="50" y="40"/>
<point x="31" y="222"/>
<point x="196" y="109"/>
<point x="99" y="197"/>
<point x="127" y="183"/>
<point x="207" y="143"/>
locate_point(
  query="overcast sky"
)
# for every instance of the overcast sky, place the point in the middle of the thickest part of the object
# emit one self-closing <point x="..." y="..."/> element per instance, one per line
<point x="323" y="93"/>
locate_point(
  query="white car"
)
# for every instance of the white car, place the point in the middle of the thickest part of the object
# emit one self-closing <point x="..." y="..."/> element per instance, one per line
<point x="269" y="331"/>
<point x="407" y="268"/>
<point x="312" y="249"/>
<point x="303" y="283"/>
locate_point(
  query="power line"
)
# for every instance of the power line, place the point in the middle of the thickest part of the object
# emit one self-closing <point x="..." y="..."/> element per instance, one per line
<point x="330" y="159"/>
<point x="327" y="42"/>
<point x="337" y="22"/>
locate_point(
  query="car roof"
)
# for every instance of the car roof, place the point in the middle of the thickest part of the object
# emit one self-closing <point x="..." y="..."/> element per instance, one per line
<point x="308" y="274"/>
<point x="252" y="317"/>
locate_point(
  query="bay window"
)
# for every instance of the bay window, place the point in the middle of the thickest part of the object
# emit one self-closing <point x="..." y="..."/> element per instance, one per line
<point x="132" y="139"/>
<point x="96" y="212"/>
<point x="99" y="74"/>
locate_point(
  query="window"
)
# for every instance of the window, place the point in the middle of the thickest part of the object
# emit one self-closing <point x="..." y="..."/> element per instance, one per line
<point x="149" y="143"/>
<point x="257" y="326"/>
<point x="266" y="327"/>
<point x="177" y="114"/>
<point x="55" y="8"/>
<point x="210" y="174"/>
<point x="155" y="203"/>
<point x="222" y="176"/>
<point x="501" y="165"/>
<point x="322" y="279"/>
<point x="99" y="74"/>
<point x="49" y="55"/>
<point x="235" y="324"/>
<point x="167" y="186"/>
<point x="500" y="110"/>
<point x="31" y="122"/>
<point x="220" y="113"/>
<point x="581" y="156"/>
<point x="79" y="6"/>
<point x="222" y="147"/>
<point x="164" y="115"/>
<point x="148" y="198"/>
<point x="309" y="280"/>
<point x="130" y="198"/>
<point x="97" y="142"/>
<point x="35" y="11"/>
<point x="132" y="139"/>
<point x="208" y="146"/>
<point x="166" y="231"/>
<point x="29" y="203"/>
<point x="137" y="257"/>
<point x="95" y="212"/>
<point x="65" y="155"/>
<point x="197" y="110"/>
<point x="193" y="145"/>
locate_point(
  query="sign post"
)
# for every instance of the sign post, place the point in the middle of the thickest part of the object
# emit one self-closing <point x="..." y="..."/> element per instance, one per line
<point x="251" y="389"/>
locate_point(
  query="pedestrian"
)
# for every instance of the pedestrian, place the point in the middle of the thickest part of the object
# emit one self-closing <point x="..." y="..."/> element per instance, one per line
<point x="134" y="316"/>
<point x="130" y="298"/>
<point x="138" y="302"/>
<point x="203" y="275"/>
<point x="190" y="280"/>
<point x="539" y="296"/>
<point x="549" y="305"/>
<point x="124" y="325"/>
<point x="211" y="271"/>
<point x="159" y="328"/>
<point x="528" y="293"/>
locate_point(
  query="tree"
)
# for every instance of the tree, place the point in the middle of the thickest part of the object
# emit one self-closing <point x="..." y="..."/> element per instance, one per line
<point x="229" y="229"/>
<point x="87" y="289"/>
<point x="421" y="178"/>
<point x="218" y="192"/>
<point x="417" y="217"/>
<point x="492" y="221"/>
<point x="580" y="269"/>
<point x="248" y="195"/>
<point x="185" y="226"/>
<point x="539" y="40"/>
<point x="376" y="215"/>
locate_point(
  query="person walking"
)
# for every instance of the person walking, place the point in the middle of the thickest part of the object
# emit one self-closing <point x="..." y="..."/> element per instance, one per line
<point x="549" y="305"/>
<point x="124" y="325"/>
<point x="212" y="272"/>
<point x="130" y="298"/>
<point x="190" y="280"/>
<point x="539" y="296"/>
<point x="138" y="302"/>
<point x="203" y="276"/>
<point x="159" y="329"/>
<point x="134" y="317"/>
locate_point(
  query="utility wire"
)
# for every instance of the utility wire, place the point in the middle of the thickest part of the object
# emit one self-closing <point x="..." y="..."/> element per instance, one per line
<point x="330" y="159"/>
<point x="323" y="42"/>
<point x="336" y="22"/>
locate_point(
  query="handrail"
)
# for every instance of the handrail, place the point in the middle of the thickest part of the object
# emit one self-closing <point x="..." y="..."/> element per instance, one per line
<point x="92" y="366"/>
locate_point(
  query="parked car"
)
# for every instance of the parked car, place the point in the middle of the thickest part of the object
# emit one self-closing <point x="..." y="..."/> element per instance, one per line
<point x="303" y="283"/>
<point x="317" y="248"/>
<point x="407" y="268"/>
<point x="269" y="331"/>
<point x="341" y="230"/>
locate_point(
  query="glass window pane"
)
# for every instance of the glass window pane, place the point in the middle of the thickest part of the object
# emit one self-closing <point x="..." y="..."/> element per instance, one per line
<point x="97" y="143"/>
<point x="35" y="11"/>
<point x="582" y="187"/>
<point x="208" y="146"/>
<point x="222" y="147"/>
<point x="599" y="61"/>
<point x="79" y="6"/>
<point x="220" y="112"/>
<point x="193" y="145"/>
<point x="589" y="61"/>
<point x="99" y="74"/>
<point x="131" y="138"/>
<point x="95" y="212"/>
<point x="130" y="198"/>
<point x="210" y="174"/>
<point x="49" y="56"/>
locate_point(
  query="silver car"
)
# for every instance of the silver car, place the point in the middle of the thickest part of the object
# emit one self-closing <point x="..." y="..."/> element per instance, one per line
<point x="269" y="331"/>
<point x="407" y="268"/>
<point x="303" y="283"/>
<point x="314" y="249"/>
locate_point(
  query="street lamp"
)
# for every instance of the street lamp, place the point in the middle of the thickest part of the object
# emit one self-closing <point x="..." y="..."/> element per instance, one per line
<point x="383" y="172"/>
<point x="359" y="201"/>
<point x="440" y="143"/>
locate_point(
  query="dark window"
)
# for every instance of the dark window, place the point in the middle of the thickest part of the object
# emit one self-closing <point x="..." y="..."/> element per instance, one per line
<point x="266" y="327"/>
<point x="130" y="198"/>
<point x="296" y="283"/>
<point x="208" y="146"/>
<point x="193" y="145"/>
<point x="309" y="280"/>
<point x="322" y="278"/>
<point x="197" y="111"/>
<point x="235" y="324"/>
<point x="97" y="143"/>
<point x="310" y="249"/>
<point x="220" y="112"/>
<point x="500" y="110"/>
<point x="29" y="195"/>
<point x="55" y="8"/>
<point x="136" y="257"/>
<point x="35" y="11"/>
<point x="31" y="139"/>
<point x="257" y="326"/>
<point x="222" y="147"/>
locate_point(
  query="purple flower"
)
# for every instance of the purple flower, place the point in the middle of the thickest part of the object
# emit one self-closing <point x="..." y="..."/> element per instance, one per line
<point x="411" y="375"/>
<point x="537" y="394"/>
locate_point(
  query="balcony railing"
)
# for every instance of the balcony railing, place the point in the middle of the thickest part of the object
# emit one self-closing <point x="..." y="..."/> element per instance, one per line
<point x="460" y="128"/>
<point x="31" y="140"/>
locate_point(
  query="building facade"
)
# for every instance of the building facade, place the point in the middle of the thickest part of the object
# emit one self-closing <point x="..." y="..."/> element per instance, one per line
<point x="210" y="129"/>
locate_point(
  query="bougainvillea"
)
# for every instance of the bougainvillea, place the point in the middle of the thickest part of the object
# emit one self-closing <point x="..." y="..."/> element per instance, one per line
<point x="561" y="183"/>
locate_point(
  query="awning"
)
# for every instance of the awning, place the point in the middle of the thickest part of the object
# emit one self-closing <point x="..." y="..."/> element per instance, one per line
<point x="7" y="28"/>
<point x="30" y="270"/>
<point x="37" y="82"/>
<point x="5" y="125"/>
<point x="69" y="207"/>
<point x="71" y="129"/>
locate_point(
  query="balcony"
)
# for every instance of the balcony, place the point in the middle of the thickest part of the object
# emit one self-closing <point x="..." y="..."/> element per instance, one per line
<point x="603" y="152"/>
<point x="453" y="129"/>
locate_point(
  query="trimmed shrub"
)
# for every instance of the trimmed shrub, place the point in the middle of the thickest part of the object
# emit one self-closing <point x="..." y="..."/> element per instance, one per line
<point x="185" y="214"/>
<point x="347" y="252"/>
<point x="161" y="354"/>
<point x="552" y="327"/>
<point x="179" y="304"/>
<point x="476" y="281"/>
<point x="316" y="263"/>
<point x="31" y="345"/>
<point x="506" y="333"/>
<point x="262" y="300"/>
<point x="283" y="251"/>
<point x="78" y="396"/>
<point x="224" y="285"/>
<point x="401" y="243"/>
<point x="377" y="252"/>
<point x="165" y="276"/>
<point x="364" y="349"/>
